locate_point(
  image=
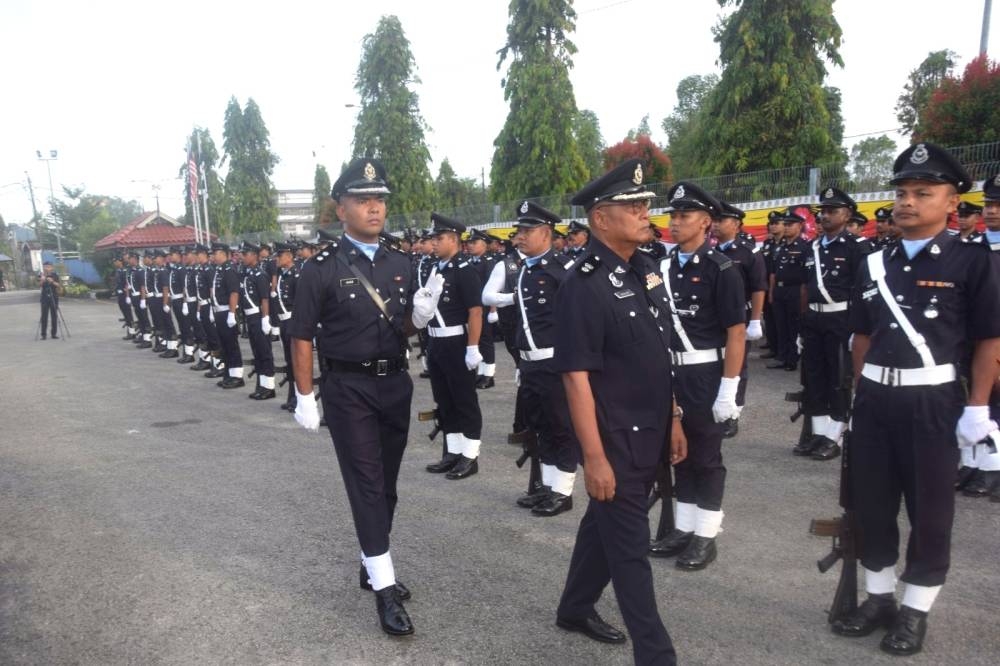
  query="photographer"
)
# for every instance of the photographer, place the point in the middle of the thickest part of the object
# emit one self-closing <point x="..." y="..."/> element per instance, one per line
<point x="51" y="289"/>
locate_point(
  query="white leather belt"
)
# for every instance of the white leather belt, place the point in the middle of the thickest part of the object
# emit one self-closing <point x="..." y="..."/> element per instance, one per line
<point x="189" y="300"/>
<point x="445" y="331"/>
<point x="251" y="311"/>
<point x="284" y="316"/>
<point x="221" y="308"/>
<point x="202" y="301"/>
<point x="174" y="298"/>
<point x="136" y="293"/>
<point x="932" y="376"/>
<point x="828" y="307"/>
<point x="537" y="354"/>
<point x="697" y="357"/>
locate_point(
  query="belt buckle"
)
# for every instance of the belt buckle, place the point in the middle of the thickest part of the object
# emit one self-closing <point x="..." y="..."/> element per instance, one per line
<point x="381" y="367"/>
<point x="891" y="377"/>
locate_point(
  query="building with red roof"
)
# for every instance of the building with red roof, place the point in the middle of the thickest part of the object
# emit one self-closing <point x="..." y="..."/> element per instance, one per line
<point x="149" y="230"/>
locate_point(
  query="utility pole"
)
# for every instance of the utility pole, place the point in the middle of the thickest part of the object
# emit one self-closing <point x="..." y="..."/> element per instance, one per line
<point x="53" y="155"/>
<point x="34" y="209"/>
<point x="984" y="39"/>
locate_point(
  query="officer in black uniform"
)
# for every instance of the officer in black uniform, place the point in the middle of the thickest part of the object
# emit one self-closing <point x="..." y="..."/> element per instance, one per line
<point x="857" y="223"/>
<point x="483" y="263"/>
<point x="176" y="278"/>
<point x="424" y="262"/>
<point x="545" y="410"/>
<point x="884" y="234"/>
<point x="255" y="301"/>
<point x="453" y="353"/>
<point x="210" y="355"/>
<point x="286" y="275"/>
<point x="786" y="289"/>
<point x="768" y="249"/>
<point x="199" y="342"/>
<point x="224" y="297"/>
<point x="969" y="217"/>
<point x="50" y="290"/>
<point x="613" y="327"/>
<point x="831" y="264"/>
<point x="577" y="237"/>
<point x="707" y="301"/>
<point x="361" y="292"/>
<point x="163" y="287"/>
<point x="121" y="293"/>
<point x="151" y="300"/>
<point x="752" y="267"/>
<point x="133" y="281"/>
<point x="916" y="307"/>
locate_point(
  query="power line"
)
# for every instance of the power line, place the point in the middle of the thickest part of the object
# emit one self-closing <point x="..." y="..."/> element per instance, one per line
<point x="603" y="7"/>
<point x="894" y="129"/>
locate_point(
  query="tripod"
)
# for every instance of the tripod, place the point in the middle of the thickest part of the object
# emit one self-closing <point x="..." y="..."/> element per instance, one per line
<point x="39" y="332"/>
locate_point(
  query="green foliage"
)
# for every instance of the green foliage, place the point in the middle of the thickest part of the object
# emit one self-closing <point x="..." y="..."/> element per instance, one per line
<point x="454" y="192"/>
<point x="964" y="111"/>
<point x="871" y="162"/>
<point x="770" y="109"/>
<point x="682" y="126"/>
<point x="587" y="131"/>
<point x="390" y="126"/>
<point x="321" y="192"/>
<point x="921" y="83"/>
<point x="76" y="290"/>
<point x="642" y="130"/>
<point x="208" y="159"/>
<point x="249" y="194"/>
<point x="536" y="152"/>
<point x="79" y="217"/>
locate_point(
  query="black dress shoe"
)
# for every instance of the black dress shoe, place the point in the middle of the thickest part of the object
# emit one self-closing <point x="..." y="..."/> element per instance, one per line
<point x="534" y="498"/>
<point x="805" y="448"/>
<point x="215" y="373"/>
<point x="976" y="487"/>
<point x="186" y="359"/>
<point x="485" y="382"/>
<point x="768" y="355"/>
<point x="592" y="627"/>
<point x="170" y="353"/>
<point x="447" y="461"/>
<point x="145" y="344"/>
<point x="232" y="382"/>
<point x="391" y="615"/>
<point x="699" y="554"/>
<point x="673" y="544"/>
<point x="776" y="365"/>
<point x="730" y="428"/>
<point x="878" y="611"/>
<point x="128" y="337"/>
<point x="906" y="636"/>
<point x="262" y="394"/>
<point x="463" y="468"/>
<point x="555" y="504"/>
<point x="402" y="590"/>
<point x="826" y="449"/>
<point x="965" y="474"/>
<point x="202" y="364"/>
<point x="159" y="348"/>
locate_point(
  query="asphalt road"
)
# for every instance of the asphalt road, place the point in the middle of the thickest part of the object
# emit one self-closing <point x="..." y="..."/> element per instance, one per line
<point x="148" y="517"/>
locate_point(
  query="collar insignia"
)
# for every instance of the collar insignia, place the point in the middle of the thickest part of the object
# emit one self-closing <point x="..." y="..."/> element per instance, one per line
<point x="935" y="249"/>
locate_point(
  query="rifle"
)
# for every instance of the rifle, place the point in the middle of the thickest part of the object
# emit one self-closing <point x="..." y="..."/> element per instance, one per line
<point x="806" y="433"/>
<point x="528" y="439"/>
<point x="432" y="415"/>
<point x="663" y="489"/>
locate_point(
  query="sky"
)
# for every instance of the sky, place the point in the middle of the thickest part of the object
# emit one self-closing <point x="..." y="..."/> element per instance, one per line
<point x="117" y="86"/>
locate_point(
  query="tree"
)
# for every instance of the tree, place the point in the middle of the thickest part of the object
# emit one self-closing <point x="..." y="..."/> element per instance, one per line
<point x="206" y="160"/>
<point x="321" y="192"/>
<point x="454" y="192"/>
<point x="536" y="152"/>
<point x="964" y="111"/>
<point x="587" y="132"/>
<point x="390" y="126"/>
<point x="921" y="83"/>
<point x="681" y="126"/>
<point x="642" y="130"/>
<point x="770" y="109"/>
<point x="871" y="161"/>
<point x="656" y="164"/>
<point x="250" y="196"/>
<point x="75" y="215"/>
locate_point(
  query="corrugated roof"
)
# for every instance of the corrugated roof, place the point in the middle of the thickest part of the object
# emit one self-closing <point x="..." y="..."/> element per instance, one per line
<point x="148" y="230"/>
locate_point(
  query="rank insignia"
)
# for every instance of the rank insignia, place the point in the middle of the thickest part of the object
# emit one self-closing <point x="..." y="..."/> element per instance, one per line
<point x="653" y="281"/>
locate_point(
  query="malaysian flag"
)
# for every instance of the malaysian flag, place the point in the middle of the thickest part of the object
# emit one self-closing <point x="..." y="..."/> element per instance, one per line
<point x="192" y="178"/>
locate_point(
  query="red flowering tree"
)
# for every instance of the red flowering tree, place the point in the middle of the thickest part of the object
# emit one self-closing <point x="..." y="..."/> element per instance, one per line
<point x="964" y="111"/>
<point x="656" y="163"/>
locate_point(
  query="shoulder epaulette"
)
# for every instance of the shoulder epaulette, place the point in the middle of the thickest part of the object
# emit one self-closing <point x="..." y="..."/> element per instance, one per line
<point x="463" y="264"/>
<point x="589" y="264"/>
<point x="721" y="259"/>
<point x="326" y="253"/>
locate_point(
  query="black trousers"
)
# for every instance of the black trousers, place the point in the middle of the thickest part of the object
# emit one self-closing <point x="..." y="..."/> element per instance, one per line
<point x="286" y="349"/>
<point x="209" y="327"/>
<point x="126" y="310"/>
<point x="509" y="333"/>
<point x="770" y="328"/>
<point x="701" y="478"/>
<point x="825" y="367"/>
<point x="547" y="413"/>
<point x="454" y="387"/>
<point x="183" y="325"/>
<point x="194" y="322"/>
<point x="903" y="446"/>
<point x="229" y="341"/>
<point x="369" y="420"/>
<point x="50" y="306"/>
<point x="741" y="388"/>
<point x="787" y="306"/>
<point x="611" y="546"/>
<point x="486" y="345"/>
<point x="260" y="345"/>
<point x="141" y="315"/>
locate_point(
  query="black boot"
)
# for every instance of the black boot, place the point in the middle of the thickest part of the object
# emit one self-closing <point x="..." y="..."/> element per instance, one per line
<point x="232" y="382"/>
<point x="806" y="446"/>
<point x="463" y="468"/>
<point x="826" y="449"/>
<point x="404" y="592"/>
<point x="976" y="487"/>
<point x="555" y="504"/>
<point x="391" y="614"/>
<point x="186" y="358"/>
<point x="672" y="544"/>
<point x="485" y="382"/>
<point x="963" y="477"/>
<point x="170" y="353"/>
<point x="906" y="636"/>
<point x="262" y="394"/>
<point x="875" y="612"/>
<point x="447" y="461"/>
<point x="699" y="554"/>
<point x="534" y="498"/>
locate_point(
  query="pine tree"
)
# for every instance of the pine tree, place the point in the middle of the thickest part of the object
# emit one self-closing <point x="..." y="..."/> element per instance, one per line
<point x="321" y="192"/>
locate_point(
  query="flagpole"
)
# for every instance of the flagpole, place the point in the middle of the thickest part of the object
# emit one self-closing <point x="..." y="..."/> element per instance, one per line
<point x="203" y="180"/>
<point x="193" y="196"/>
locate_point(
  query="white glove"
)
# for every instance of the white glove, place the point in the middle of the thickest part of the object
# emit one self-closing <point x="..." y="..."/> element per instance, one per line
<point x="128" y="300"/>
<point x="166" y="309"/>
<point x="197" y="315"/>
<point x="850" y="343"/>
<point x="472" y="357"/>
<point x="974" y="425"/>
<point x="492" y="317"/>
<point x="184" y="309"/>
<point x="274" y="294"/>
<point x="725" y="407"/>
<point x="754" y="331"/>
<point x="798" y="343"/>
<point x="211" y="315"/>
<point x="265" y="326"/>
<point x="142" y="303"/>
<point x="305" y="410"/>
<point x="425" y="300"/>
<point x="231" y="320"/>
<point x="517" y="377"/>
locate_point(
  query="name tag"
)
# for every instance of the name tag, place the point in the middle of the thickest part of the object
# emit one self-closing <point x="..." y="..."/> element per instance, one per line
<point x="932" y="283"/>
<point x="624" y="293"/>
<point x="867" y="295"/>
<point x="348" y="282"/>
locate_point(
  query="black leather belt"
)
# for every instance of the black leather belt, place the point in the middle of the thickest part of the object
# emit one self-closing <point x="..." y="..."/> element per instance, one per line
<point x="375" y="368"/>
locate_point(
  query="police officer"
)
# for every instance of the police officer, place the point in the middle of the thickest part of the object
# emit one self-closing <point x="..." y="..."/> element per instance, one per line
<point x="969" y="217"/>
<point x="121" y="292"/>
<point x="545" y="409"/>
<point x="204" y="280"/>
<point x="915" y="308"/>
<point x="613" y="330"/>
<point x="453" y="352"/>
<point x="424" y="261"/>
<point x="51" y="288"/>
<point x="577" y="237"/>
<point x="150" y="300"/>
<point x="483" y="263"/>
<point x="164" y="298"/>
<point x="884" y="234"/>
<point x="768" y="249"/>
<point x="752" y="267"/>
<point x="224" y="297"/>
<point x="360" y="291"/>
<point x="255" y="290"/>
<point x="286" y="275"/>
<point x="176" y="281"/>
<point x="786" y="289"/>
<point x="707" y="302"/>
<point x="199" y="343"/>
<point x="831" y="265"/>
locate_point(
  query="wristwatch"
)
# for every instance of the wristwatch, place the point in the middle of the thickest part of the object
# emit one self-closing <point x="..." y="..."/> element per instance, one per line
<point x="678" y="413"/>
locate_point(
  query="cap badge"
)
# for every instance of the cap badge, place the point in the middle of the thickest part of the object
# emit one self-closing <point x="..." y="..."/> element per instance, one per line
<point x="829" y="194"/>
<point x="996" y="181"/>
<point x="679" y="192"/>
<point x="637" y="175"/>
<point x="919" y="155"/>
<point x="524" y="208"/>
<point x="369" y="171"/>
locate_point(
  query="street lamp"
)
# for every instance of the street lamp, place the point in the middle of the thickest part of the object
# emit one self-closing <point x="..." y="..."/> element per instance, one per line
<point x="53" y="155"/>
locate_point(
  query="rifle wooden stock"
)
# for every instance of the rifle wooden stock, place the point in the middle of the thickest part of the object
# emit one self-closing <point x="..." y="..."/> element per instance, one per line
<point x="825" y="527"/>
